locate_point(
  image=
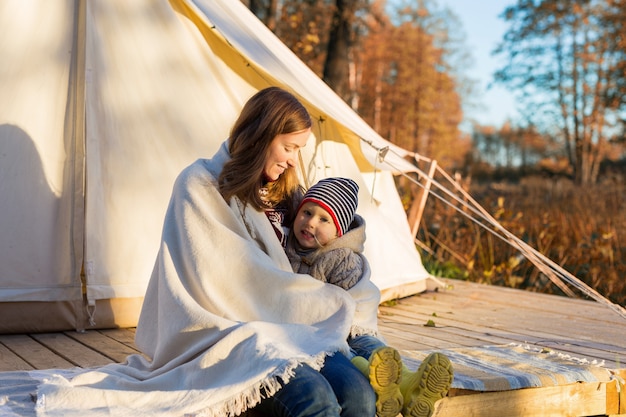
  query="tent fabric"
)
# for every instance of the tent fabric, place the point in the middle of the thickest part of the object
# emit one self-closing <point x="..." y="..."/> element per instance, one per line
<point x="36" y="168"/>
<point x="132" y="93"/>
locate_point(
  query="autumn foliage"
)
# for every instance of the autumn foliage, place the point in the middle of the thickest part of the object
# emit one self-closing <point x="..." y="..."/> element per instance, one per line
<point x="555" y="177"/>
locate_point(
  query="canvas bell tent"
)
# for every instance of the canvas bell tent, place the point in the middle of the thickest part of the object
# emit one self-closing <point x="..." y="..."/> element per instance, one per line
<point x="103" y="104"/>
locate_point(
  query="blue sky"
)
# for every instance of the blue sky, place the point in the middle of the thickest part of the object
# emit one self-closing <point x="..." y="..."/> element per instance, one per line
<point x="484" y="30"/>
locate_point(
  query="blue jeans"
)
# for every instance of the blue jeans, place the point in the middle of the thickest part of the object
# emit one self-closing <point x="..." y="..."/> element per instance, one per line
<point x="364" y="345"/>
<point x="339" y="389"/>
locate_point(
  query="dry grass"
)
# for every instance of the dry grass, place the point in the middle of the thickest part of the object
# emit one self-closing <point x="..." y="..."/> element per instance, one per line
<point x="583" y="230"/>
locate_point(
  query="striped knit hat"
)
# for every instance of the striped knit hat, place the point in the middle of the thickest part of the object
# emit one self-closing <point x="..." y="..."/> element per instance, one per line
<point x="338" y="196"/>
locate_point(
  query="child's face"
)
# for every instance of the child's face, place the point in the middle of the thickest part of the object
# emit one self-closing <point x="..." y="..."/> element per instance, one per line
<point x="313" y="226"/>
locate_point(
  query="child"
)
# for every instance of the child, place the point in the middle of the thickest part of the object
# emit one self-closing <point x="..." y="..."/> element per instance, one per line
<point x="326" y="241"/>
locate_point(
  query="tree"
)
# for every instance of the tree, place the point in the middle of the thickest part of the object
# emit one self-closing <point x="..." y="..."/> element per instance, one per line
<point x="343" y="31"/>
<point x="614" y="22"/>
<point x="406" y="90"/>
<point x="560" y="60"/>
<point x="303" y="26"/>
<point x="395" y="75"/>
<point x="512" y="148"/>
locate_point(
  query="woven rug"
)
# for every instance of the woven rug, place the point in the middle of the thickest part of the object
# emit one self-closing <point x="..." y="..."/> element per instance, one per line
<point x="514" y="366"/>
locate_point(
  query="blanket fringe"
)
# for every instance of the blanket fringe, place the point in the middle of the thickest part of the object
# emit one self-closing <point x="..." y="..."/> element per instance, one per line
<point x="548" y="351"/>
<point x="360" y="331"/>
<point x="265" y="388"/>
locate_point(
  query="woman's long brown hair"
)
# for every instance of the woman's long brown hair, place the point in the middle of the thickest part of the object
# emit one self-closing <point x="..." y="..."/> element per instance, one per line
<point x="269" y="113"/>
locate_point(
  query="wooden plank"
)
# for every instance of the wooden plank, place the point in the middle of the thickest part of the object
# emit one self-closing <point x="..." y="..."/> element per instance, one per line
<point x="469" y="331"/>
<point x="613" y="400"/>
<point x="34" y="353"/>
<point x="620" y="390"/>
<point x="405" y="338"/>
<point x="571" y="327"/>
<point x="73" y="351"/>
<point x="580" y="399"/>
<point x="525" y="325"/>
<point x="106" y="346"/>
<point x="470" y="327"/>
<point x="515" y="317"/>
<point x="9" y="361"/>
<point x="532" y="301"/>
<point x="442" y="335"/>
<point x="399" y="338"/>
<point x="125" y="336"/>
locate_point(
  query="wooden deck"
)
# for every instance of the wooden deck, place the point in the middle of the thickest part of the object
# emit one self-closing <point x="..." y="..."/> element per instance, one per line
<point x="464" y="315"/>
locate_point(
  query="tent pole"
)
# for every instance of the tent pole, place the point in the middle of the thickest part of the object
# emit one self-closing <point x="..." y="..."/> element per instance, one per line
<point x="419" y="203"/>
<point x="75" y="136"/>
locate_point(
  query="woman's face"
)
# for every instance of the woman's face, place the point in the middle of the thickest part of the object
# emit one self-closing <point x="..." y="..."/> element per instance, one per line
<point x="313" y="226"/>
<point x="283" y="153"/>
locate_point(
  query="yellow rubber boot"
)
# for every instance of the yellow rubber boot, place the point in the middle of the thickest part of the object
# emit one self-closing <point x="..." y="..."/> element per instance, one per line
<point x="423" y="388"/>
<point x="384" y="370"/>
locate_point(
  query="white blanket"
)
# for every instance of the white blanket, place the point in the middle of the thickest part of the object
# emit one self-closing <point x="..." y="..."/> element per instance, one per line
<point x="223" y="317"/>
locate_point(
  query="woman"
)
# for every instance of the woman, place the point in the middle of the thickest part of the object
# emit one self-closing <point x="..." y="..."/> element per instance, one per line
<point x="226" y="326"/>
<point x="260" y="175"/>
